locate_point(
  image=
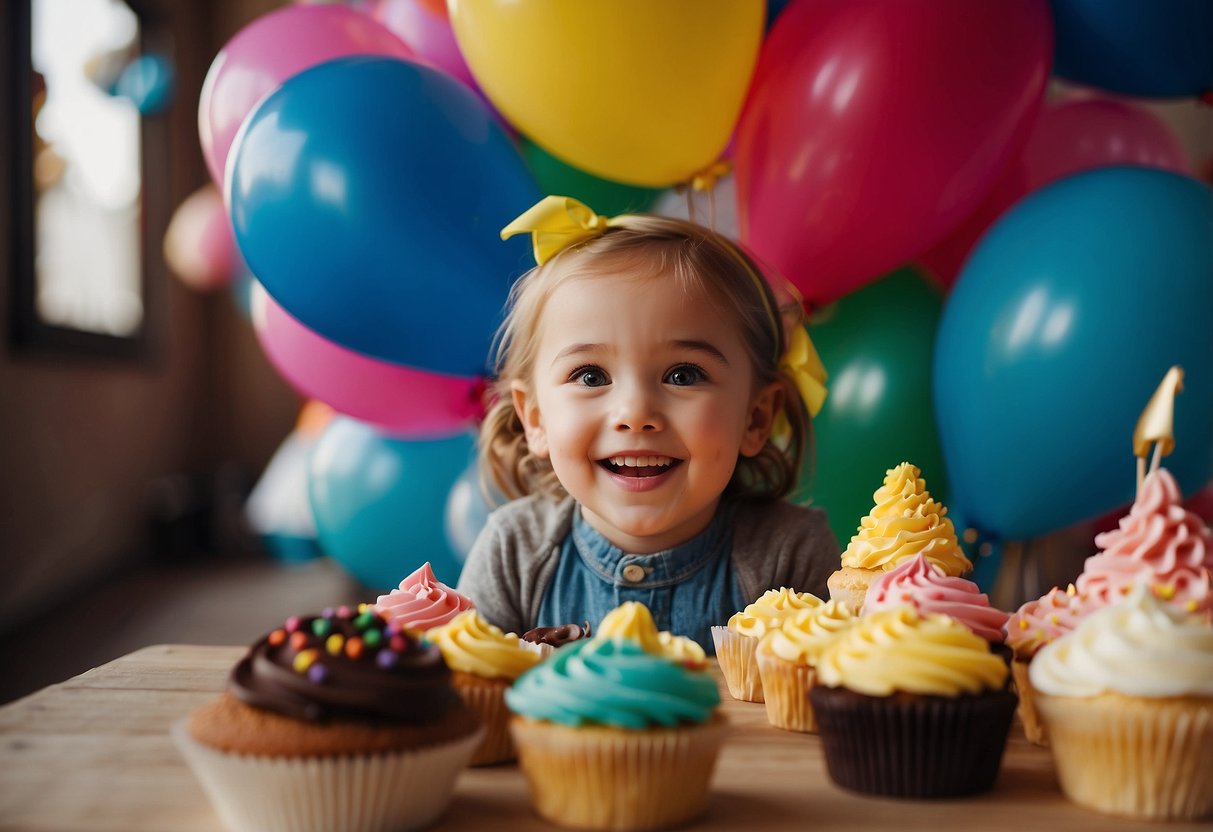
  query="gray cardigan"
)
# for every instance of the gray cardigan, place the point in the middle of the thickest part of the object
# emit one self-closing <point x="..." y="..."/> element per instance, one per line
<point x="509" y="567"/>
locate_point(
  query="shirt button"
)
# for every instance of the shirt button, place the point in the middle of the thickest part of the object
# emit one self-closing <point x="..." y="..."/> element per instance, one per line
<point x="633" y="573"/>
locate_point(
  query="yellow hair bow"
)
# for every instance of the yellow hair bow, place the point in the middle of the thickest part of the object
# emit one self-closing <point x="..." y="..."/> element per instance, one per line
<point x="803" y="364"/>
<point x="555" y="223"/>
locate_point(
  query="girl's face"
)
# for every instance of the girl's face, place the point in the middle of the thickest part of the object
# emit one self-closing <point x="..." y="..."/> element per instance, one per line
<point x="642" y="396"/>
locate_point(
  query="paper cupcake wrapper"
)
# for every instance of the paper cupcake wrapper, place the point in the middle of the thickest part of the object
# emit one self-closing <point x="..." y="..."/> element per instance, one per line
<point x="735" y="653"/>
<point x="913" y="746"/>
<point x="786" y="686"/>
<point x="394" y="791"/>
<point x="596" y="777"/>
<point x="488" y="701"/>
<point x="1033" y="727"/>
<point x="1145" y="758"/>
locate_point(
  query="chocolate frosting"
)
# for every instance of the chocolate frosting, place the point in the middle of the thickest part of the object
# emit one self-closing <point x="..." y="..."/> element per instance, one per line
<point x="344" y="664"/>
<point x="557" y="636"/>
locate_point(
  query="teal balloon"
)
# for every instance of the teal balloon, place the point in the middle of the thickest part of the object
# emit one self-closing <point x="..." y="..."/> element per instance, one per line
<point x="1064" y="320"/>
<point x="379" y="502"/>
<point x="603" y="195"/>
<point x="877" y="345"/>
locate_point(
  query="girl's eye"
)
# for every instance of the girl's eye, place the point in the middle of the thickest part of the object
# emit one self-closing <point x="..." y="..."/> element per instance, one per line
<point x="590" y="377"/>
<point x="685" y="375"/>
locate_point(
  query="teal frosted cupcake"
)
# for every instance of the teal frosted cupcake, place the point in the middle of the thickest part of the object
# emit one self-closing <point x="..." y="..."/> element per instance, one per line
<point x="611" y="736"/>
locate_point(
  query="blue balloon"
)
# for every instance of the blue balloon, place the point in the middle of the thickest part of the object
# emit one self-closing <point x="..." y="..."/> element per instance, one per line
<point x="467" y="511"/>
<point x="148" y="82"/>
<point x="1154" y="49"/>
<point x="379" y="502"/>
<point x="367" y="195"/>
<point x="1062" y="324"/>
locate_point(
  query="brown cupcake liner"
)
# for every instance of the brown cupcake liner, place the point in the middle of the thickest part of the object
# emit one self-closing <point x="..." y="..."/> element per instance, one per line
<point x="916" y="746"/>
<point x="597" y="777"/>
<point x="1135" y="756"/>
<point x="1029" y="717"/>
<point x="735" y="653"/>
<point x="487" y="698"/>
<point x="785" y="687"/>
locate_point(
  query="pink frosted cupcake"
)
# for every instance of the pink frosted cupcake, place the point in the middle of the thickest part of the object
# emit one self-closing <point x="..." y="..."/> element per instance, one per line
<point x="930" y="590"/>
<point x="1158" y="542"/>
<point x="421" y="602"/>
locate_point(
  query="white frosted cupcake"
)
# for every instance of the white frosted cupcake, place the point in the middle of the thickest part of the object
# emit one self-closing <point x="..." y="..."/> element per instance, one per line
<point x="1127" y="699"/>
<point x="736" y="642"/>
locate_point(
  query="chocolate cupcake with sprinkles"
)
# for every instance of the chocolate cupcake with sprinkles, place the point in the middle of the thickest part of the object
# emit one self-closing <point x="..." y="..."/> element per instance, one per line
<point x="338" y="720"/>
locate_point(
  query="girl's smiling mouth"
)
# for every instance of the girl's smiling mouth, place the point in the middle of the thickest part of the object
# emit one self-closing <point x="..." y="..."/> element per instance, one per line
<point x="642" y="465"/>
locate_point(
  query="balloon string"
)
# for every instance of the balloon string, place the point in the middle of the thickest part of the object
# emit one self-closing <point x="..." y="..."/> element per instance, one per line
<point x="712" y="209"/>
<point x="690" y="204"/>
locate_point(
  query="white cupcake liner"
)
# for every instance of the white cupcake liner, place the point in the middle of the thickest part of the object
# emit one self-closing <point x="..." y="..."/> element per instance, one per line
<point x="363" y="793"/>
<point x="735" y="653"/>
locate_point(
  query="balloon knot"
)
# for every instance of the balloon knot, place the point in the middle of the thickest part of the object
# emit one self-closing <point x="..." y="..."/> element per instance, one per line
<point x="706" y="179"/>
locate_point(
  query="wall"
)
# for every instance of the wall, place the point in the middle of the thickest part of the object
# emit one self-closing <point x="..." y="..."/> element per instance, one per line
<point x="85" y="441"/>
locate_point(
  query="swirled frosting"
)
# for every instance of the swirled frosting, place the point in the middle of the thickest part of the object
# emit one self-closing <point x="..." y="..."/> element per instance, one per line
<point x="344" y="663"/>
<point x="769" y="611"/>
<point x="803" y="634"/>
<point x="1160" y="543"/>
<point x="905" y="522"/>
<point x="924" y="586"/>
<point x="632" y="621"/>
<point x="899" y="650"/>
<point x="1046" y="619"/>
<point x="422" y="602"/>
<point x="1140" y="646"/>
<point x="470" y="644"/>
<point x="613" y="682"/>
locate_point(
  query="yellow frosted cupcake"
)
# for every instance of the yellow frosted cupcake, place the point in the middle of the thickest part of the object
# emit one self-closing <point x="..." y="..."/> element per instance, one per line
<point x="735" y="642"/>
<point x="632" y="621"/>
<point x="912" y="706"/>
<point x="1127" y="699"/>
<point x="484" y="662"/>
<point x="616" y="731"/>
<point x="904" y="522"/>
<point x="787" y="661"/>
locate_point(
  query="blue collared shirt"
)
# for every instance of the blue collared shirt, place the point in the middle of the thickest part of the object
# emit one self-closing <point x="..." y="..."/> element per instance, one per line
<point x="688" y="588"/>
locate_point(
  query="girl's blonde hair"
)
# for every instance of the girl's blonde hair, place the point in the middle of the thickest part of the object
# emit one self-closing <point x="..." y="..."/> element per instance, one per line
<point x="644" y="246"/>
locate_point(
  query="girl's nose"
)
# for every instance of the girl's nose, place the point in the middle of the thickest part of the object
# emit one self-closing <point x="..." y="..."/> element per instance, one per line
<point x="637" y="410"/>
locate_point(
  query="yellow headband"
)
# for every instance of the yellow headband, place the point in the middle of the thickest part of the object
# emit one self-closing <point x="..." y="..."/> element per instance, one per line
<point x="558" y="222"/>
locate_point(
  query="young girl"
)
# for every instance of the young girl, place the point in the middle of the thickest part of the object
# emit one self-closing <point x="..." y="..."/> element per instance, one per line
<point x="639" y="382"/>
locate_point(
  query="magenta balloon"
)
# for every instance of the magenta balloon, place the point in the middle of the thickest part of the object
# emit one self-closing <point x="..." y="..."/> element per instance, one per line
<point x="271" y="49"/>
<point x="425" y="27"/>
<point x="873" y="129"/>
<point x="1085" y="133"/>
<point x="402" y="401"/>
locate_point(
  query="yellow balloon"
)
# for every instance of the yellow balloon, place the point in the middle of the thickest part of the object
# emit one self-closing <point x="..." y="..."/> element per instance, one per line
<point x="639" y="91"/>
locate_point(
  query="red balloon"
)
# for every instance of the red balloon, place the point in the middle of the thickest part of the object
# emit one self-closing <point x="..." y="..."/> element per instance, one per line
<point x="1069" y="137"/>
<point x="873" y="129"/>
<point x="1085" y="133"/>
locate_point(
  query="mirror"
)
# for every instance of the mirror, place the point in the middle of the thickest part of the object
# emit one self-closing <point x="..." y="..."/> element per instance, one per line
<point x="81" y="167"/>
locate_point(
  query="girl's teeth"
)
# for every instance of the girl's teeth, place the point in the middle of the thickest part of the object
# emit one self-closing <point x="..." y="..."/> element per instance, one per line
<point x="640" y="461"/>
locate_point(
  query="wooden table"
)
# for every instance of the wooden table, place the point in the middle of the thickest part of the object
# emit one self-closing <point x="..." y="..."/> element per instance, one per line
<point x="94" y="753"/>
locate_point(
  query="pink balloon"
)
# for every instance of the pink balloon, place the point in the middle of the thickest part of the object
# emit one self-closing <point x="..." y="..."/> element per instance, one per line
<point x="426" y="28"/>
<point x="873" y="129"/>
<point x="400" y="400"/>
<point x="199" y="245"/>
<point x="1085" y="133"/>
<point x="1069" y="137"/>
<point x="271" y="49"/>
